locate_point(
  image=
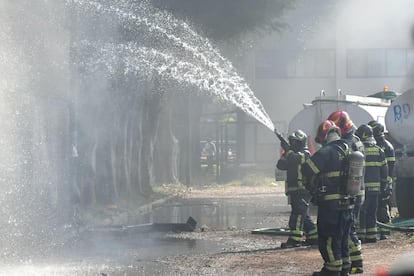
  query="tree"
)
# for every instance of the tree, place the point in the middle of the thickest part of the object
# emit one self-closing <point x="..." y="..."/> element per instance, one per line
<point x="128" y="56"/>
<point x="95" y="83"/>
<point x="227" y="22"/>
<point x="224" y="20"/>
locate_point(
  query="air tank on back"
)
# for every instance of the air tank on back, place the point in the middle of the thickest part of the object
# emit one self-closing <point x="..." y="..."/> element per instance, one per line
<point x="399" y="121"/>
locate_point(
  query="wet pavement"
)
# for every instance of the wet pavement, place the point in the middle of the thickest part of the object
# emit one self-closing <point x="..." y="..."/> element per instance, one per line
<point x="151" y="253"/>
<point x="245" y="212"/>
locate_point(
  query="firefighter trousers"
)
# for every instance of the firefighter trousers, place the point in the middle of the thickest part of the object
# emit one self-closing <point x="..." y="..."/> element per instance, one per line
<point x="299" y="220"/>
<point x="355" y="247"/>
<point x="368" y="217"/>
<point x="334" y="227"/>
<point x="383" y="214"/>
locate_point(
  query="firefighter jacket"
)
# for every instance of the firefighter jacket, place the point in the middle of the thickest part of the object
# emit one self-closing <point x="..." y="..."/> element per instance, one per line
<point x="376" y="169"/>
<point x="292" y="162"/>
<point x="389" y="152"/>
<point x="353" y="142"/>
<point x="328" y="164"/>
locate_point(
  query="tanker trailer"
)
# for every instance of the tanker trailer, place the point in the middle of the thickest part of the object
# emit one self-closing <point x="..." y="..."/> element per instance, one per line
<point x="360" y="109"/>
<point x="400" y="125"/>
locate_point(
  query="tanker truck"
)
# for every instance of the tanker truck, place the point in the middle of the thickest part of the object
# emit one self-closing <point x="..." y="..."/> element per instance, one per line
<point x="400" y="125"/>
<point x="394" y="112"/>
<point x="360" y="109"/>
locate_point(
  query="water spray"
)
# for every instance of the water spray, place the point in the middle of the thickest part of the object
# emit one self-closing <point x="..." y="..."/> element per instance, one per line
<point x="196" y="63"/>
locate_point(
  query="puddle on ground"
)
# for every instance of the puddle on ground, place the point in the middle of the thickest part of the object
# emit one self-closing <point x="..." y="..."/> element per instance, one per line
<point x="148" y="253"/>
<point x="224" y="213"/>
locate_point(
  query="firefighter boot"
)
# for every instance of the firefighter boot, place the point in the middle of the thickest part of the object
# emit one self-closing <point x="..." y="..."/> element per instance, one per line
<point x="384" y="236"/>
<point x="310" y="242"/>
<point x="356" y="267"/>
<point x="325" y="272"/>
<point x="356" y="270"/>
<point x="290" y="243"/>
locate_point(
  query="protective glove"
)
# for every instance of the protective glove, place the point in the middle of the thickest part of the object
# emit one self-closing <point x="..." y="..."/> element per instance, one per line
<point x="386" y="194"/>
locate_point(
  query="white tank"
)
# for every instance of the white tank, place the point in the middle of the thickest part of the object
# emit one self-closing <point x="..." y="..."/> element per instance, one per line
<point x="400" y="124"/>
<point x="399" y="119"/>
<point x="360" y="109"/>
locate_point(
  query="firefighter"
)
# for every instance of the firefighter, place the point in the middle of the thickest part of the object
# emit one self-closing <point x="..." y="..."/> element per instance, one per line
<point x="384" y="201"/>
<point x="376" y="174"/>
<point x="326" y="168"/>
<point x="299" y="221"/>
<point x="344" y="122"/>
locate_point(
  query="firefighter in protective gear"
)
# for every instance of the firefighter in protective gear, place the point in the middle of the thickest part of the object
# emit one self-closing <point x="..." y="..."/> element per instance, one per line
<point x="376" y="174"/>
<point x="299" y="221"/>
<point x="343" y="121"/>
<point x="326" y="168"/>
<point x="384" y="201"/>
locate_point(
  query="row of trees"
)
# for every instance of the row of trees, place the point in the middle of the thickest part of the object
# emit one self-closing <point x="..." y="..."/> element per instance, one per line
<point x="100" y="128"/>
<point x="134" y="129"/>
<point x="80" y="123"/>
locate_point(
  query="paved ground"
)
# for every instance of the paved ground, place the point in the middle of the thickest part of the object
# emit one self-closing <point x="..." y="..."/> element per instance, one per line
<point x="221" y="245"/>
<point x="243" y="253"/>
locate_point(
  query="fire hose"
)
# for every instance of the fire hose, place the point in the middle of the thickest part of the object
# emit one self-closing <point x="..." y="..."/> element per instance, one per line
<point x="400" y="226"/>
<point x="406" y="226"/>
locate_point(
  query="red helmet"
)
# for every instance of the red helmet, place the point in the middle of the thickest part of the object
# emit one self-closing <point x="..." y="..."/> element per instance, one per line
<point x="342" y="120"/>
<point x="324" y="129"/>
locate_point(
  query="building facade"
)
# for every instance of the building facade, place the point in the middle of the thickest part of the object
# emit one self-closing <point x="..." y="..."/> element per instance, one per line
<point x="355" y="47"/>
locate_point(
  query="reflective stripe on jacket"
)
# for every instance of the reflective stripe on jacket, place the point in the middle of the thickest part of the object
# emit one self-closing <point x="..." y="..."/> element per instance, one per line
<point x="389" y="153"/>
<point x="376" y="169"/>
<point x="292" y="162"/>
<point x="329" y="164"/>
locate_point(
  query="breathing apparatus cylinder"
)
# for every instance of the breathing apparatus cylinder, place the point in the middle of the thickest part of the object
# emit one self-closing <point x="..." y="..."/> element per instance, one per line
<point x="355" y="178"/>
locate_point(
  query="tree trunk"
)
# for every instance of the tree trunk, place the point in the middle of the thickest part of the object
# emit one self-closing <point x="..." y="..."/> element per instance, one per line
<point x="167" y="150"/>
<point x="188" y="110"/>
<point x="150" y="122"/>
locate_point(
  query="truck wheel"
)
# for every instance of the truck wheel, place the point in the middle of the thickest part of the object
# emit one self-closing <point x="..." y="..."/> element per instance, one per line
<point x="404" y="194"/>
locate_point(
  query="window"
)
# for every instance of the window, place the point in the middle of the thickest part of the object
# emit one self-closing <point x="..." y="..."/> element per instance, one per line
<point x="375" y="65"/>
<point x="363" y="63"/>
<point x="410" y="60"/>
<point x="356" y="62"/>
<point x="396" y="61"/>
<point x="295" y="64"/>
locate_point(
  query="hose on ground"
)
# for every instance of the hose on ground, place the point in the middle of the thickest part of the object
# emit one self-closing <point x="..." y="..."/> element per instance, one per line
<point x="406" y="226"/>
<point x="401" y="226"/>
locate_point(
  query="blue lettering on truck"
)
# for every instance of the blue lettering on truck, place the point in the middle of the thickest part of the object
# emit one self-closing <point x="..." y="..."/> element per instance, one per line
<point x="401" y="111"/>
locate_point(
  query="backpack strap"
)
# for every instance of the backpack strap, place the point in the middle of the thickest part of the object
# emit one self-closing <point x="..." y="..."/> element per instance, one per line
<point x="343" y="150"/>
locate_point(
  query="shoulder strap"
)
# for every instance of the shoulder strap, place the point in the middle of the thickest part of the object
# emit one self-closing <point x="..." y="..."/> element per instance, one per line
<point x="343" y="147"/>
